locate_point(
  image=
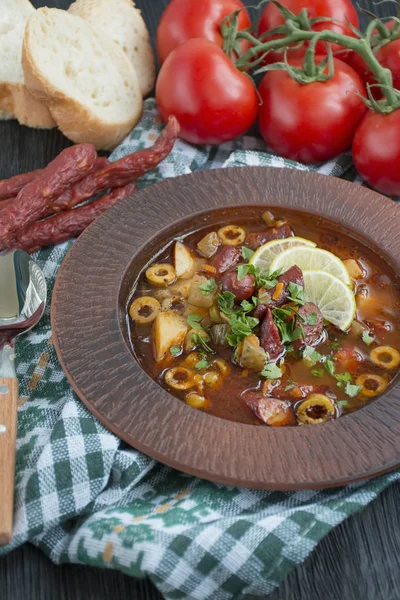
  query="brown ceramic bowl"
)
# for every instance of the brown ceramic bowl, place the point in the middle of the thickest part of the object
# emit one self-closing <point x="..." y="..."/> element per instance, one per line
<point x="92" y="339"/>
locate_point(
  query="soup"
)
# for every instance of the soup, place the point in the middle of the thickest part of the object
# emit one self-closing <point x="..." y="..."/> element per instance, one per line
<point x="268" y="321"/>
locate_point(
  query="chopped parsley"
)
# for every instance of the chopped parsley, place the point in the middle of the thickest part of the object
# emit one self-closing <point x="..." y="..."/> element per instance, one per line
<point x="335" y="345"/>
<point x="226" y="302"/>
<point x="288" y="332"/>
<point x="175" y="350"/>
<point x="271" y="371"/>
<point x="199" y="340"/>
<point x="276" y="273"/>
<point x="352" y="390"/>
<point x="240" y="323"/>
<point x="312" y="355"/>
<point x="248" y="306"/>
<point x="330" y="366"/>
<point x="343" y="378"/>
<point x="193" y="320"/>
<point x="290" y="385"/>
<point x="208" y="287"/>
<point x="262" y="279"/>
<point x="367" y="338"/>
<point x="241" y="326"/>
<point x="296" y="294"/>
<point x="345" y="382"/>
<point x="343" y="402"/>
<point x="244" y="270"/>
<point x="311" y="318"/>
<point x="202" y="364"/>
<point x="247" y="253"/>
<point x="317" y="372"/>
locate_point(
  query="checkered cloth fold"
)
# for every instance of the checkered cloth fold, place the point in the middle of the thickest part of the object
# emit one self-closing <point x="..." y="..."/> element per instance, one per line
<point x="83" y="496"/>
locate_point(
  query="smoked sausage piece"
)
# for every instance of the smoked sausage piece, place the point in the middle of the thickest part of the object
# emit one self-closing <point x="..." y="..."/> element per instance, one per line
<point x="34" y="199"/>
<point x="70" y="223"/>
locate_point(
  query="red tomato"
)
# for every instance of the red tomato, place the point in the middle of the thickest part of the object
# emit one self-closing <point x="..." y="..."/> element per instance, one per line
<point x="358" y="64"/>
<point x="213" y="101"/>
<point x="347" y="359"/>
<point x="389" y="57"/>
<point x="341" y="10"/>
<point x="376" y="151"/>
<point x="183" y="20"/>
<point x="311" y="122"/>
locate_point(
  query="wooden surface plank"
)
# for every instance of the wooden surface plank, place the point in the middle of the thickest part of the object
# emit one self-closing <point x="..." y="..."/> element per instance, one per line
<point x="359" y="560"/>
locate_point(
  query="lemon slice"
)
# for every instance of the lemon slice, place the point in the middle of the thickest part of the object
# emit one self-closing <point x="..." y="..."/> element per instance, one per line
<point x="265" y="254"/>
<point x="334" y="299"/>
<point x="312" y="259"/>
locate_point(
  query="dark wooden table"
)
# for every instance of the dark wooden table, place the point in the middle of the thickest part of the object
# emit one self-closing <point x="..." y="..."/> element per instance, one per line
<point x="359" y="560"/>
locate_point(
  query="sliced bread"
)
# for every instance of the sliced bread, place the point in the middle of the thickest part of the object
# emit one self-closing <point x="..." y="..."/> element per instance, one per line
<point x="87" y="82"/>
<point x="15" y="100"/>
<point x="124" y="24"/>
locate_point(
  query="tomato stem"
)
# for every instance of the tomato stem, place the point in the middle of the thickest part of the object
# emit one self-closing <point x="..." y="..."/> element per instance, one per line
<point x="360" y="46"/>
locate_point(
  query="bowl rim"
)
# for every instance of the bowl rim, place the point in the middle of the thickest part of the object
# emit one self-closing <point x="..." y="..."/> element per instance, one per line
<point x="355" y="447"/>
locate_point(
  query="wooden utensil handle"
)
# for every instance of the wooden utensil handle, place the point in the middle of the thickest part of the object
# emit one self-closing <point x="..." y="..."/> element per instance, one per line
<point x="8" y="432"/>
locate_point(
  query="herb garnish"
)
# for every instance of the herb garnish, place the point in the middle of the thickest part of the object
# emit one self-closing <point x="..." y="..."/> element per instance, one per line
<point x="247" y="253"/>
<point x="226" y="302"/>
<point x="288" y="332"/>
<point x="311" y="318"/>
<point x="240" y="323"/>
<point x="193" y="321"/>
<point x="367" y="338"/>
<point x="345" y="382"/>
<point x="241" y="326"/>
<point x="271" y="371"/>
<point x="202" y="364"/>
<point x="208" y="286"/>
<point x="199" y="340"/>
<point x="330" y="366"/>
<point x="312" y="355"/>
<point x="290" y="385"/>
<point x="175" y="350"/>
<point x="262" y="279"/>
<point x="296" y="294"/>
<point x="317" y="372"/>
<point x="343" y="402"/>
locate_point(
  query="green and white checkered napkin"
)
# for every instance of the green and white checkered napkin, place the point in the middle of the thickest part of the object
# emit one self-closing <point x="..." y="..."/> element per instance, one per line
<point x="83" y="496"/>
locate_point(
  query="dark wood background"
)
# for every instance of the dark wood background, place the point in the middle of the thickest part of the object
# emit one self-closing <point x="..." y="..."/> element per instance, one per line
<point x="359" y="560"/>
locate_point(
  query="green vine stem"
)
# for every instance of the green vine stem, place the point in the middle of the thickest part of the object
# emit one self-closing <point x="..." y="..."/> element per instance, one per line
<point x="295" y="35"/>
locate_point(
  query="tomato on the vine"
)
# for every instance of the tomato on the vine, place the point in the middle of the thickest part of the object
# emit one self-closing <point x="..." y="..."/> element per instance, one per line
<point x="183" y="20"/>
<point x="213" y="101"/>
<point x="360" y="66"/>
<point x="388" y="55"/>
<point x="337" y="10"/>
<point x="311" y="122"/>
<point x="376" y="151"/>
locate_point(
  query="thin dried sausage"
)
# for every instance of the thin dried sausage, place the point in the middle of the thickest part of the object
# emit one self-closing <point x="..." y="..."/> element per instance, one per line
<point x="241" y="288"/>
<point x="123" y="171"/>
<point x="269" y="337"/>
<point x="34" y="199"/>
<point x="69" y="223"/>
<point x="255" y="240"/>
<point x="311" y="332"/>
<point x="225" y="259"/>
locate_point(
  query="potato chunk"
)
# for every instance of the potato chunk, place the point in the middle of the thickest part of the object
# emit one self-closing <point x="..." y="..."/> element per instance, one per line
<point x="184" y="263"/>
<point x="169" y="329"/>
<point x="197" y="297"/>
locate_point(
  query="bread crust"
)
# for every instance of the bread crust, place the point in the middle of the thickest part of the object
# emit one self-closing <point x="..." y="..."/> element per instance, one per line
<point x="76" y="118"/>
<point x="122" y="21"/>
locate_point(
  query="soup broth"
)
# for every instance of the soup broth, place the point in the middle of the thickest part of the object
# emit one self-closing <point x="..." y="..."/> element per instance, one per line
<point x="215" y="326"/>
